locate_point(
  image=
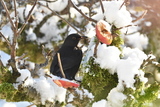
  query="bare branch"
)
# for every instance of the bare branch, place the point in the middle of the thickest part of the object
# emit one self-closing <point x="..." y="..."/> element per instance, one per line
<point x="125" y="2"/>
<point x="95" y="49"/>
<point x="35" y="72"/>
<point x="62" y="19"/>
<point x="124" y="27"/>
<point x="28" y="17"/>
<point x="8" y="43"/>
<point x="145" y="62"/>
<point x="47" y="75"/>
<point x="102" y="7"/>
<point x="148" y="61"/>
<point x="50" y="1"/>
<point x="15" y="13"/>
<point x="60" y="65"/>
<point x="88" y="18"/>
<point x="8" y="15"/>
<point x="21" y="57"/>
<point x="144" y="13"/>
<point x="38" y="66"/>
<point x="31" y="105"/>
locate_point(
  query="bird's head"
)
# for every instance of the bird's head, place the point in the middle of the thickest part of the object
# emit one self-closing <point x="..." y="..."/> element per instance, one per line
<point x="73" y="39"/>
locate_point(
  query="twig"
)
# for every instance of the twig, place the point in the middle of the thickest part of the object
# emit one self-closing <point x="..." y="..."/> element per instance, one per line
<point x="28" y="17"/>
<point x="31" y="105"/>
<point x="38" y="66"/>
<point x="102" y="7"/>
<point x="144" y="13"/>
<point x="1" y="65"/>
<point x="95" y="49"/>
<point x="60" y="65"/>
<point x="88" y="18"/>
<point x="8" y="43"/>
<point x="15" y="13"/>
<point x="7" y="12"/>
<point x="62" y="19"/>
<point x="21" y="57"/>
<point x="50" y="1"/>
<point x="48" y="75"/>
<point x="125" y="2"/>
<point x="145" y="62"/>
<point x="148" y="61"/>
<point x="124" y="27"/>
<point x="35" y="72"/>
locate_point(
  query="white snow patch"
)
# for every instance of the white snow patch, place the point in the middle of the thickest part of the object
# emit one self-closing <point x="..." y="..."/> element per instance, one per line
<point x="115" y="98"/>
<point x="107" y="57"/>
<point x="113" y="14"/>
<point x="4" y="57"/>
<point x="137" y="40"/>
<point x="101" y="103"/>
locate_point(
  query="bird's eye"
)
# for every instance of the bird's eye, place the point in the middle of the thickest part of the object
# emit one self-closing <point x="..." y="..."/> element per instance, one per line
<point x="74" y="38"/>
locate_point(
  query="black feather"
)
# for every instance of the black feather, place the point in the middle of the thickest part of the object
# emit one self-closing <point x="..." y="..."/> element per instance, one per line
<point x="71" y="57"/>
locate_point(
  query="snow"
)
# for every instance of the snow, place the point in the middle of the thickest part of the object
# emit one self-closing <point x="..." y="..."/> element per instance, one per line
<point x="76" y="15"/>
<point x="101" y="103"/>
<point x="126" y="67"/>
<point x="47" y="89"/>
<point x="3" y="103"/>
<point x="44" y="86"/>
<point x="23" y="12"/>
<point x="107" y="57"/>
<point x="84" y="92"/>
<point x="4" y="57"/>
<point x="50" y="27"/>
<point x="58" y="5"/>
<point x="115" y="98"/>
<point x="120" y="18"/>
<point x="7" y="32"/>
<point x="31" y="36"/>
<point x="125" y="63"/>
<point x="137" y="40"/>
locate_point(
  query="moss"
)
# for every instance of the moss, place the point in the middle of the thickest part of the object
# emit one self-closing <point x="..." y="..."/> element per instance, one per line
<point x="5" y="76"/>
<point x="7" y="90"/>
<point x="61" y="24"/>
<point x="98" y="81"/>
<point x="117" y="39"/>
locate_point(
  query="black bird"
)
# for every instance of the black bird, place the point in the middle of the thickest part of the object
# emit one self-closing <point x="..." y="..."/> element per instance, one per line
<point x="71" y="57"/>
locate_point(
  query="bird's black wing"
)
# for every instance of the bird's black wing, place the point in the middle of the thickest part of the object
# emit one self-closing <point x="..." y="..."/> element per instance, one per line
<point x="70" y="63"/>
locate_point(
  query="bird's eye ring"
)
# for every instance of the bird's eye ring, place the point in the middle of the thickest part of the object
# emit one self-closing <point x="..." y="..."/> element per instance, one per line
<point x="74" y="38"/>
